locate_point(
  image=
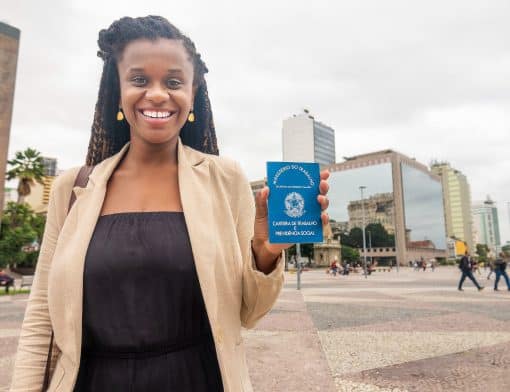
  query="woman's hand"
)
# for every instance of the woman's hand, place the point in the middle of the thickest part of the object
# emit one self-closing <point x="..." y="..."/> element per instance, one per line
<point x="266" y="253"/>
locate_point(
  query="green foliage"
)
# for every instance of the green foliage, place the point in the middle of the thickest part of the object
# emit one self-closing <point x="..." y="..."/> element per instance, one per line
<point x="506" y="250"/>
<point x="27" y="167"/>
<point x="20" y="226"/>
<point x="349" y="254"/>
<point x="378" y="235"/>
<point x="481" y="251"/>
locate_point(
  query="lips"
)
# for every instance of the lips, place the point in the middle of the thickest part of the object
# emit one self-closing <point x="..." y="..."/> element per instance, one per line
<point x="156" y="114"/>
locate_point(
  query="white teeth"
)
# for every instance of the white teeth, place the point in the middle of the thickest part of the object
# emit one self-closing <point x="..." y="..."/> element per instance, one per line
<point x="153" y="114"/>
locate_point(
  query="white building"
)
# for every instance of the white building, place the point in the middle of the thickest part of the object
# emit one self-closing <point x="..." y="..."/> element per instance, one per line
<point x="306" y="140"/>
<point x="486" y="223"/>
<point x="457" y="202"/>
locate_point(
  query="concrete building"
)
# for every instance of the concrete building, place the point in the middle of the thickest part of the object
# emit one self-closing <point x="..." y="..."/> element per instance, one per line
<point x="410" y="199"/>
<point x="257" y="185"/>
<point x="378" y="208"/>
<point x="457" y="203"/>
<point x="40" y="193"/>
<point x="485" y="216"/>
<point x="305" y="139"/>
<point x="9" y="46"/>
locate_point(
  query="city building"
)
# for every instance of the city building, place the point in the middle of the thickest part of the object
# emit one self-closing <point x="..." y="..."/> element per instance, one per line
<point x="485" y="217"/>
<point x="9" y="46"/>
<point x="39" y="196"/>
<point x="378" y="208"/>
<point x="257" y="185"/>
<point x="305" y="139"/>
<point x="398" y="192"/>
<point x="457" y="203"/>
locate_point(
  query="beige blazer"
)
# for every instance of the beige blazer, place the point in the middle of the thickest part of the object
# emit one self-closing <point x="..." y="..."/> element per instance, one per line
<point x="219" y="211"/>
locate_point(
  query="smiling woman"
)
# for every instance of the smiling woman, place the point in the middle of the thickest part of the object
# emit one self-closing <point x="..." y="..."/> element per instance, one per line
<point x="144" y="281"/>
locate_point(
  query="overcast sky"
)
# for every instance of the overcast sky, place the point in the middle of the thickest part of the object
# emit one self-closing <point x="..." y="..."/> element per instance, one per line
<point x="428" y="79"/>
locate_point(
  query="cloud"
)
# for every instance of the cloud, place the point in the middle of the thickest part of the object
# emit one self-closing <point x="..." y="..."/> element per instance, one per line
<point x="429" y="79"/>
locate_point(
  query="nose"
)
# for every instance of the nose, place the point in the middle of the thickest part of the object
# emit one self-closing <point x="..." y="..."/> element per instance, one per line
<point x="157" y="94"/>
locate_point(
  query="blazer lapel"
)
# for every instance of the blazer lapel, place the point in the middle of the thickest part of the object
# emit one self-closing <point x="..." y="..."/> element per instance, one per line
<point x="77" y="232"/>
<point x="195" y="192"/>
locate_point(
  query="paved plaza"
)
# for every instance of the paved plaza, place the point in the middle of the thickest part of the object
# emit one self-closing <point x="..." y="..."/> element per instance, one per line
<point x="405" y="331"/>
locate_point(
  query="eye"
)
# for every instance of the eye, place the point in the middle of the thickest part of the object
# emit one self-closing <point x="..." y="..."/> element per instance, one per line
<point x="139" y="80"/>
<point x="173" y="83"/>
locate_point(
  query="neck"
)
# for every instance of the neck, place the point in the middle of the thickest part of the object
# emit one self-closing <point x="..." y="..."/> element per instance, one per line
<point x="143" y="155"/>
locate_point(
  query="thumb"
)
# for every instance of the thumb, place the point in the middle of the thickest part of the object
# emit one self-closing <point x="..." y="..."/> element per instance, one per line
<point x="261" y="203"/>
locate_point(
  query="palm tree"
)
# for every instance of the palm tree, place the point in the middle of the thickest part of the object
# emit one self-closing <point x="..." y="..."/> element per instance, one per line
<point x="27" y="167"/>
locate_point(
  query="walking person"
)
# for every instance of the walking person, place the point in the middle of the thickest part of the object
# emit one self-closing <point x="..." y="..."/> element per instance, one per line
<point x="500" y="269"/>
<point x="491" y="268"/>
<point x="147" y="274"/>
<point x="466" y="268"/>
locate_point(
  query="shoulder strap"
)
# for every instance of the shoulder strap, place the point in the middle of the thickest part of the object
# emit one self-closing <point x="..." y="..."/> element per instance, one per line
<point x="81" y="180"/>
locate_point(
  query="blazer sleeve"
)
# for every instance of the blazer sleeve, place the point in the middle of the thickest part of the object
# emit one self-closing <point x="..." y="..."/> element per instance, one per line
<point x="36" y="330"/>
<point x="260" y="291"/>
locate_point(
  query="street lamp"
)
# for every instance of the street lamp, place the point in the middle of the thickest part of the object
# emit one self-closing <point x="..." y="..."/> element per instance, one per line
<point x="361" y="188"/>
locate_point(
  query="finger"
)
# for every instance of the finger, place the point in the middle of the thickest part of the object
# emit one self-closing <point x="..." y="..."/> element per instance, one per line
<point x="261" y="203"/>
<point x="324" y="174"/>
<point x="323" y="201"/>
<point x="323" y="187"/>
<point x="325" y="218"/>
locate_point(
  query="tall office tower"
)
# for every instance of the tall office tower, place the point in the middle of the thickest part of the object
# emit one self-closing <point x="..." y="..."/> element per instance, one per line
<point x="40" y="193"/>
<point x="50" y="166"/>
<point x="9" y="45"/>
<point x="457" y="203"/>
<point x="485" y="216"/>
<point x="305" y="139"/>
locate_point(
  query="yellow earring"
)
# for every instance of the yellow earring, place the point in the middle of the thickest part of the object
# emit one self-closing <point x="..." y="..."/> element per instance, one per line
<point x="191" y="116"/>
<point x="120" y="115"/>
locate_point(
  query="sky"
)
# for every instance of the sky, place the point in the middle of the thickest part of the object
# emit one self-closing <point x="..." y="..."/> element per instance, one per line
<point x="428" y="79"/>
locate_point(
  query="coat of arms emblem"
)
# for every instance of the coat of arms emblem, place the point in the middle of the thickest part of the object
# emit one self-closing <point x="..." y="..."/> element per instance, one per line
<point x="294" y="205"/>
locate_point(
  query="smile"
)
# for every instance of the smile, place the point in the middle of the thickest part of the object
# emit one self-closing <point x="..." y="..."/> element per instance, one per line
<point x="156" y="114"/>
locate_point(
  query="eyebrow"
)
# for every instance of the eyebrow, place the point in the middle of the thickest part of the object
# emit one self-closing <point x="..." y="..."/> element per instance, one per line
<point x="170" y="71"/>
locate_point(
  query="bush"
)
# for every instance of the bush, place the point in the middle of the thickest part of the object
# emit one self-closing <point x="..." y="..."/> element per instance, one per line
<point x="20" y="226"/>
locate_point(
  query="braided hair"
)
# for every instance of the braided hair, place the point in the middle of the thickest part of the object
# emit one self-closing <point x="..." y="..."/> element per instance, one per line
<point x="108" y="135"/>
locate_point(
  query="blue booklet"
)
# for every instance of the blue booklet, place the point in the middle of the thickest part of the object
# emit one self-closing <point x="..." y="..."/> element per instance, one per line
<point x="293" y="209"/>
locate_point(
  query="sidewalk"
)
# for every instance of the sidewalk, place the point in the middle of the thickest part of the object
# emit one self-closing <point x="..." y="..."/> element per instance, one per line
<point x="284" y="351"/>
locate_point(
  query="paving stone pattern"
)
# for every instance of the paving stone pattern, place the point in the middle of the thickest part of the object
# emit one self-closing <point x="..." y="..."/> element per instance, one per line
<point x="392" y="332"/>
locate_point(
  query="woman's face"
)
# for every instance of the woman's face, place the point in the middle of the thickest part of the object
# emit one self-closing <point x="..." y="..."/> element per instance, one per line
<point x="156" y="88"/>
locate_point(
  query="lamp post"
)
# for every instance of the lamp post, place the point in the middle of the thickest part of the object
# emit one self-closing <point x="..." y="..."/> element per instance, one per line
<point x="361" y="188"/>
<point x="298" y="265"/>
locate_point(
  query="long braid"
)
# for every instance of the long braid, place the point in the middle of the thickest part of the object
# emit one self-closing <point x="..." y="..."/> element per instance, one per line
<point x="109" y="135"/>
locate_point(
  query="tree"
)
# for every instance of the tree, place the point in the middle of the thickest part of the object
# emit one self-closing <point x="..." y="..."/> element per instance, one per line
<point x="506" y="250"/>
<point x="20" y="226"/>
<point x="350" y="254"/>
<point x="482" y="250"/>
<point x="380" y="236"/>
<point x="27" y="167"/>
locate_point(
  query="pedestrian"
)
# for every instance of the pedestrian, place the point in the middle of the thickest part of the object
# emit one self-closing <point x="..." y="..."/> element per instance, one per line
<point x="334" y="267"/>
<point x="500" y="269"/>
<point x="491" y="268"/>
<point x="466" y="268"/>
<point x="164" y="254"/>
<point x="475" y="266"/>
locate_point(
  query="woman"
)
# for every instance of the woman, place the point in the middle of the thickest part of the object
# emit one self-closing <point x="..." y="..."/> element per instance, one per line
<point x="163" y="256"/>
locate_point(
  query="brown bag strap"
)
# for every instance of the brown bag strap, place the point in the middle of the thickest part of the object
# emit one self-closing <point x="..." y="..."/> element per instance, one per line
<point x="81" y="180"/>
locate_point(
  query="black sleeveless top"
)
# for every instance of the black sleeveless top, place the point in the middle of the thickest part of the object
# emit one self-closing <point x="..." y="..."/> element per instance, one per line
<point x="145" y="326"/>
